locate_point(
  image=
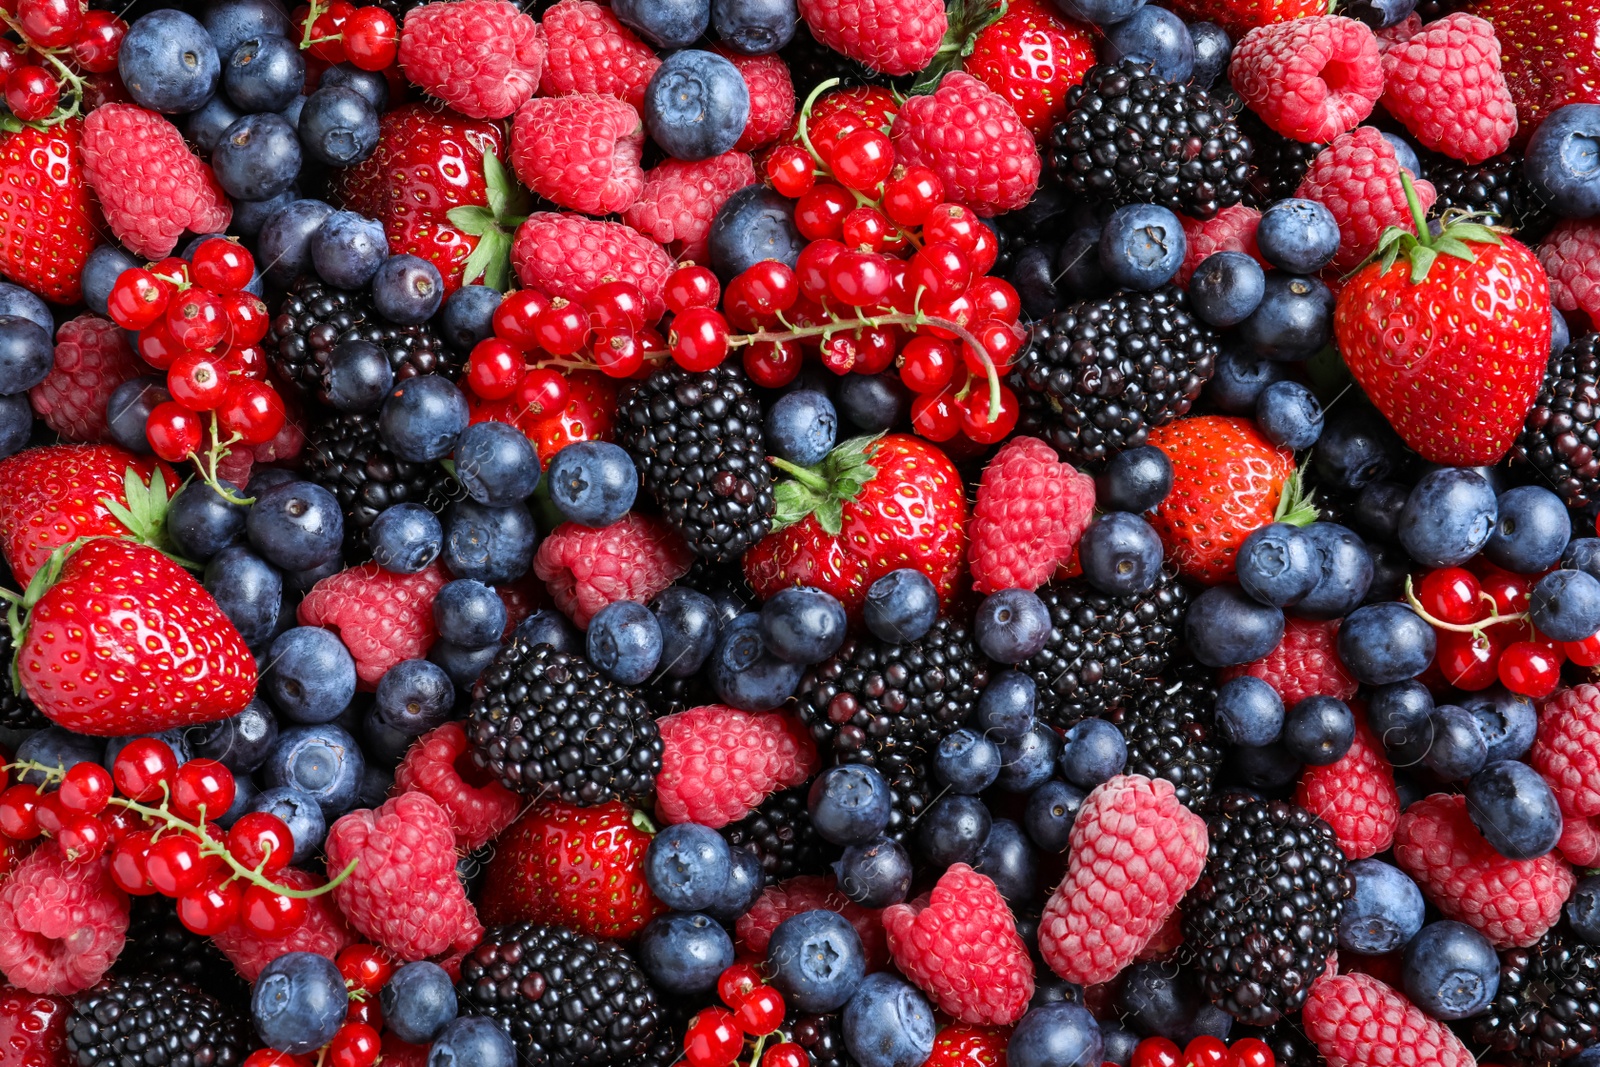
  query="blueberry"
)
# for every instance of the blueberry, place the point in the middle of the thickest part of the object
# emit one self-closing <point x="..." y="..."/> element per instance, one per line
<point x="26" y="354"/>
<point x="1051" y="811"/>
<point x="371" y="85"/>
<point x="1563" y="160"/>
<point x="624" y="642"/>
<point x="1078" y="269"/>
<point x="816" y="961"/>
<point x="54" y="746"/>
<point x="1404" y="154"/>
<point x="1458" y="750"/>
<point x="1142" y="246"/>
<point x="258" y="157"/>
<point x="696" y="105"/>
<point x="1298" y="236"/>
<point x="417" y="1001"/>
<point x="966" y="761"/>
<point x="423" y="418"/>
<point x="1006" y="707"/>
<point x="1101" y="13"/>
<point x="849" y="804"/>
<point x="230" y="23"/>
<point x="1121" y="554"/>
<point x="405" y="538"/>
<point x="593" y="483"/>
<point x="873" y="403"/>
<point x="888" y="1023"/>
<point x="1249" y="711"/>
<point x="463" y="665"/>
<point x="1012" y="625"/>
<point x="1583" y="909"/>
<point x="1033" y="276"/>
<point x="1513" y="806"/>
<point x="1135" y="479"/>
<point x="1277" y="564"/>
<point x="250" y="216"/>
<point x="688" y="623"/>
<point x="1378" y="508"/>
<point x="299" y="1002"/>
<point x="168" y="62"/>
<point x="1093" y="752"/>
<point x="803" y="625"/>
<point x="1565" y="605"/>
<point x="200" y="523"/>
<point x="1240" y="379"/>
<point x="754" y="27"/>
<point x="296" y="525"/>
<point x="1010" y="860"/>
<point x="1508" y="721"/>
<point x="952" y="830"/>
<point x="1225" y="627"/>
<point x="744" y="886"/>
<point x="1357" y="447"/>
<point x="311" y="677"/>
<point x="1560" y="332"/>
<point x="324" y="762"/>
<point x="1381" y="14"/>
<point x="16" y="424"/>
<point x="338" y="126"/>
<point x="1158" y="1000"/>
<point x="1156" y="37"/>
<point x="1289" y="415"/>
<point x="241" y="742"/>
<point x="1448" y="517"/>
<point x="204" y="128"/>
<point x="359" y="375"/>
<point x="1294" y="320"/>
<point x="492" y="545"/>
<point x="407" y="290"/>
<point x="1583" y="554"/>
<point x="874" y="874"/>
<point x="468" y="316"/>
<point x="1532" y="530"/>
<point x="1344" y="572"/>
<point x="686" y="865"/>
<point x="1056" y="1035"/>
<point x="469" y="613"/>
<point x="413" y="697"/>
<point x="249" y="590"/>
<point x="683" y="954"/>
<point x="669" y="24"/>
<point x="347" y="249"/>
<point x="496" y="463"/>
<point x="473" y="1041"/>
<point x="1385" y="642"/>
<point x="1450" y="971"/>
<point x="1319" y="730"/>
<point x="1119" y="1041"/>
<point x="100" y="272"/>
<point x="298" y="583"/>
<point x="1401" y="716"/>
<point x="1264" y="766"/>
<point x="902" y="606"/>
<point x="1383" y="913"/>
<point x="745" y="673"/>
<point x="802" y="427"/>
<point x="264" y="74"/>
<point x="1227" y="286"/>
<point x="1212" y="50"/>
<point x="285" y="241"/>
<point x="753" y="224"/>
<point x="300" y="812"/>
<point x="1027" y="762"/>
<point x="548" y="627"/>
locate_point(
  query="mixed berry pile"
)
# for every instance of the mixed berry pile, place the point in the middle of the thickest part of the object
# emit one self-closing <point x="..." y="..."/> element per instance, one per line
<point x="800" y="533"/>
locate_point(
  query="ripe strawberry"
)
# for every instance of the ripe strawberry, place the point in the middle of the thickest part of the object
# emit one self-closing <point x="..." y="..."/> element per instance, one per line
<point x="1032" y="56"/>
<point x="1549" y="53"/>
<point x="577" y="867"/>
<point x="889" y="36"/>
<point x="873" y="506"/>
<point x="33" y="1029"/>
<point x="1449" y="337"/>
<point x="961" y="1045"/>
<point x="49" y="220"/>
<point x="125" y="641"/>
<point x="1240" y="16"/>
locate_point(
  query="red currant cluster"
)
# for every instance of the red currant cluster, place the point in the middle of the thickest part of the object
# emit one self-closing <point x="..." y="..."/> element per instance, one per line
<point x="537" y="336"/>
<point x="153" y="817"/>
<point x="62" y="41"/>
<point x="1480" y="619"/>
<point x="752" y="1009"/>
<point x="197" y="322"/>
<point x="1203" y="1051"/>
<point x="359" y="1040"/>
<point x="340" y="32"/>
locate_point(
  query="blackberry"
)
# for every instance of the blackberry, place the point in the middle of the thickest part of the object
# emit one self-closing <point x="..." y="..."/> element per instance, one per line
<point x="821" y="1036"/>
<point x="546" y="721"/>
<point x="1548" y="1005"/>
<point x="698" y="443"/>
<point x="1264" y="917"/>
<point x="780" y="833"/>
<point x="1131" y="137"/>
<point x="1103" y="649"/>
<point x="1095" y="378"/>
<point x="159" y="944"/>
<point x="17" y="712"/>
<point x="567" y="999"/>
<point x="1280" y="164"/>
<point x="1169" y="730"/>
<point x="154" y="1020"/>
<point x="1559" y="438"/>
<point x="1289" y="1044"/>
<point x="1495" y="187"/>
<point x="345" y="456"/>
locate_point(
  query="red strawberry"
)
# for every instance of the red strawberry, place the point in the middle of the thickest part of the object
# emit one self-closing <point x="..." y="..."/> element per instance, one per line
<point x="1240" y="16"/>
<point x="48" y="217"/>
<point x="1032" y="56"/>
<point x="125" y="641"/>
<point x="578" y="867"/>
<point x="1449" y="336"/>
<point x="1549" y="53"/>
<point x="960" y="1045"/>
<point x="33" y="1029"/>
<point x="873" y="506"/>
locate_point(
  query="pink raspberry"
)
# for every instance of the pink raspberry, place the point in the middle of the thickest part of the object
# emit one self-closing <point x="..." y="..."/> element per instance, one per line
<point x="1310" y="79"/>
<point x="960" y="945"/>
<point x="1580" y="840"/>
<point x="1355" y="795"/>
<point x="891" y="36"/>
<point x="324" y="932"/>
<point x="681" y="199"/>
<point x="632" y="559"/>
<point x="1398" y="34"/>
<point x="93" y="357"/>
<point x="1357" y="177"/>
<point x="1566" y="749"/>
<point x="1305" y="664"/>
<point x="1135" y="850"/>
<point x="1571" y="257"/>
<point x="61" y="924"/>
<point x="404" y="893"/>
<point x="1357" y="1021"/>
<point x="1031" y="510"/>
<point x="1233" y="229"/>
<point x="568" y="255"/>
<point x="1511" y="902"/>
<point x="772" y="100"/>
<point x="718" y="764"/>
<point x="971" y="137"/>
<point x="482" y="57"/>
<point x="438" y="764"/>
<point x="591" y="52"/>
<point x="382" y="617"/>
<point x="809" y="892"/>
<point x="1445" y="86"/>
<point x="580" y="151"/>
<point x="150" y="186"/>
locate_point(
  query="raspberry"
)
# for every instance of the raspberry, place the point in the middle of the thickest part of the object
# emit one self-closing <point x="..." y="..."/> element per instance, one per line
<point x="1511" y="902"/>
<point x="632" y="559"/>
<point x="150" y="186"/>
<point x="1445" y="86"/>
<point x="1357" y="1021"/>
<point x="809" y="892"/>
<point x="438" y="764"/>
<point x="1357" y="177"/>
<point x="960" y="945"/>
<point x="1399" y="33"/>
<point x="324" y="932"/>
<point x="971" y="137"/>
<point x="1356" y="796"/>
<point x="1305" y="664"/>
<point x="1031" y="510"/>
<point x="591" y="52"/>
<point x="382" y="618"/>
<point x="482" y="57"/>
<point x="33" y="1030"/>
<point x="403" y="894"/>
<point x="1580" y="840"/>
<point x="61" y="924"/>
<point x="718" y="764"/>
<point x="772" y="100"/>
<point x="1566" y="749"/>
<point x="93" y="357"/>
<point x="1571" y="256"/>
<point x="890" y="36"/>
<point x="1233" y="229"/>
<point x="1311" y="79"/>
<point x="580" y="151"/>
<point x="568" y="255"/>
<point x="681" y="199"/>
<point x="1134" y="852"/>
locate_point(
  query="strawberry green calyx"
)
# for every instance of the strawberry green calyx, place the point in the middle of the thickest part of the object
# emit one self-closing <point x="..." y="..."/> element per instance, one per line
<point x="1423" y="248"/>
<point x="825" y="489"/>
<point x="968" y="18"/>
<point x="1297" y="505"/>
<point x="145" y="514"/>
<point x="492" y="225"/>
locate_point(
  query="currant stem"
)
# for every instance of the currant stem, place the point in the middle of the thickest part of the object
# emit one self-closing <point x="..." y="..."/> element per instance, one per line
<point x="312" y="15"/>
<point x="219" y="451"/>
<point x="1475" y="628"/>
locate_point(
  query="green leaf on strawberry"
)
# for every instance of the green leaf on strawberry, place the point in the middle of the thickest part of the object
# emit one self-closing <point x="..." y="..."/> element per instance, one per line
<point x="967" y="19"/>
<point x="824" y="490"/>
<point x="492" y="225"/>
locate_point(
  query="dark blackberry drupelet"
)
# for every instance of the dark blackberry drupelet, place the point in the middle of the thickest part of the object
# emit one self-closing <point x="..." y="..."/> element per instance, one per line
<point x="780" y="833"/>
<point x="1103" y="649"/>
<point x="155" y="1020"/>
<point x="1264" y="917"/>
<point x="1495" y="188"/>
<point x="345" y="456"/>
<point x="1131" y="137"/>
<point x="1279" y="163"/>
<point x="1170" y="732"/>
<point x="568" y="1000"/>
<point x="545" y="721"/>
<point x="1548" y="1005"/>
<point x="697" y="441"/>
<point x="17" y="712"/>
<point x="159" y="944"/>
<point x="1095" y="378"/>
<point x="1289" y="1044"/>
<point x="1559" y="438"/>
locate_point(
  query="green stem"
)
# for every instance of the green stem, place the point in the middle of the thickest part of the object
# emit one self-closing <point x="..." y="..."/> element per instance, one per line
<point x="806" y="477"/>
<point x="1459" y="627"/>
<point x="1419" y="218"/>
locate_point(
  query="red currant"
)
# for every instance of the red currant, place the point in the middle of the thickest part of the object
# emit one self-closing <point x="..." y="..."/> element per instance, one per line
<point x="137" y="299"/>
<point x="958" y="309"/>
<point x="820" y="212"/>
<point x="354" y="1045"/>
<point x="209" y="907"/>
<point x="19" y="812"/>
<point x="51" y="814"/>
<point x="494" y="368"/>
<point x="143" y="767"/>
<point x="927" y="364"/>
<point x="1451" y="594"/>
<point x="790" y="171"/>
<point x="977" y="421"/>
<point x="767" y="287"/>
<point x="858" y="279"/>
<point x="543" y="391"/>
<point x="713" y="1039"/>
<point x="50" y="23"/>
<point x="248" y="319"/>
<point x="271" y="1057"/>
<point x="1585" y="653"/>
<point x="516" y="318"/>
<point x="98" y="42"/>
<point x="615" y="306"/>
<point x="128" y="858"/>
<point x="562" y="328"/>
<point x="691" y="286"/>
<point x="197" y="380"/>
<point x="699" y="339"/>
<point x="371" y="38"/>
<point x="910" y="194"/>
<point x="328" y="30"/>
<point x="1156" y="1052"/>
<point x="1510" y="591"/>
<point x="197" y="319"/>
<point x="1468" y="661"/>
<point x="83" y="838"/>
<point x="365" y="967"/>
<point x="618" y="353"/>
<point x="86" y="788"/>
<point x="157" y="347"/>
<point x="811" y="268"/>
<point x="1252" y="1052"/>
<point x="1206" y="1051"/>
<point x="202" y="787"/>
<point x="120" y="823"/>
<point x="259" y="839"/>
<point x="760" y="1011"/>
<point x="863" y="159"/>
<point x="941" y="269"/>
<point x="773" y="364"/>
<point x="222" y="265"/>
<point x="995" y="298"/>
<point x="1530" y="668"/>
<point x="1000" y="341"/>
<point x="175" y="864"/>
<point x="959" y="225"/>
<point x="787" y="1054"/>
<point x="867" y="229"/>
<point x="251" y="409"/>
<point x="936" y="416"/>
<point x="271" y="914"/>
<point x="736" y="982"/>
